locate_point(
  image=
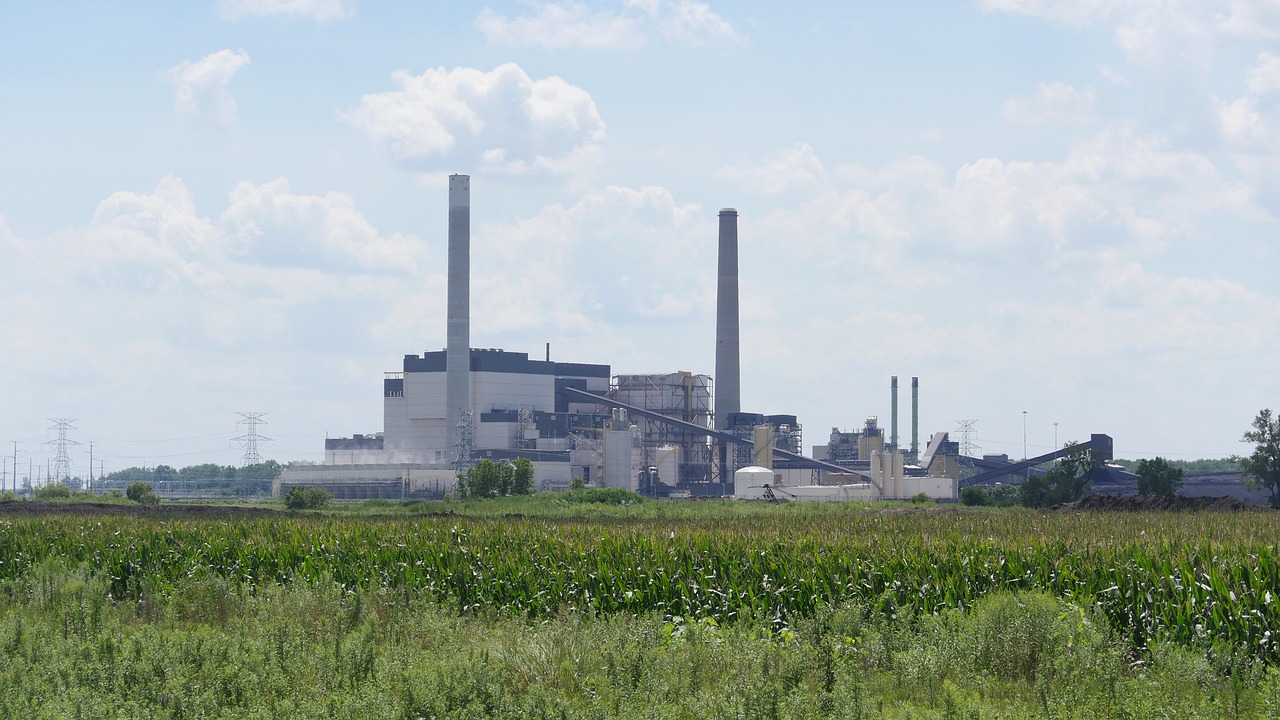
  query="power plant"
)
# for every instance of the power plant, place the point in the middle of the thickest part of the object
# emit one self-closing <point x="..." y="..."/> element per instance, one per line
<point x="669" y="434"/>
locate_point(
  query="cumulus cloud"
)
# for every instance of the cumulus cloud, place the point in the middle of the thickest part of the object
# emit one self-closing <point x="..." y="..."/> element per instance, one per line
<point x="1053" y="103"/>
<point x="320" y="10"/>
<point x="201" y="86"/>
<point x="500" y="121"/>
<point x="1264" y="77"/>
<point x="795" y="168"/>
<point x="627" y="25"/>
<point x="567" y="25"/>
<point x="1158" y="31"/>
<point x="578" y="270"/>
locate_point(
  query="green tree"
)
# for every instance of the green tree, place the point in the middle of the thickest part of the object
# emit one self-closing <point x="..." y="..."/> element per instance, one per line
<point x="52" y="491"/>
<point x="974" y="495"/>
<point x="142" y="493"/>
<point x="1065" y="482"/>
<point x="1158" y="476"/>
<point x="1262" y="468"/>
<point x="486" y="479"/>
<point x="300" y="498"/>
<point x="522" y="477"/>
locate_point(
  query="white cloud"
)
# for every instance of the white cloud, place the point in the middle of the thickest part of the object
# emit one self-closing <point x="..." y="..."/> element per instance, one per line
<point x="567" y="25"/>
<point x="1160" y="31"/>
<point x="201" y="86"/>
<point x="796" y="168"/>
<point x="1109" y="74"/>
<point x="690" y="22"/>
<point x="1242" y="124"/>
<point x="1264" y="77"/>
<point x="500" y="121"/>
<point x="1053" y="103"/>
<point x="1120" y="191"/>
<point x="320" y="10"/>
<point x="627" y="25"/>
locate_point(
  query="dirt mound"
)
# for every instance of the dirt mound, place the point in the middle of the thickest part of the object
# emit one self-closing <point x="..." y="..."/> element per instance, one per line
<point x="1173" y="503"/>
<point x="19" y="507"/>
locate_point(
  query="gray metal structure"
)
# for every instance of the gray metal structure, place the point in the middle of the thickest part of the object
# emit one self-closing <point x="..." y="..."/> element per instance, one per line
<point x="722" y="437"/>
<point x="1100" y="446"/>
<point x="458" y="339"/>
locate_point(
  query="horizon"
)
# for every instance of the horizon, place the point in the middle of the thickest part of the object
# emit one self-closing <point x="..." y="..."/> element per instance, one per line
<point x="1057" y="214"/>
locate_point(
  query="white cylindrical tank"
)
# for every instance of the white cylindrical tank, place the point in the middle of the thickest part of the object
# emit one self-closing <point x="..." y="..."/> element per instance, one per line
<point x="618" y="460"/>
<point x="749" y="482"/>
<point x="667" y="460"/>
<point x="899" y="484"/>
<point x="877" y="478"/>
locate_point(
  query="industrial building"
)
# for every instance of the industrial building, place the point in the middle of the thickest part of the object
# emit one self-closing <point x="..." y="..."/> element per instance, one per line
<point x="663" y="434"/>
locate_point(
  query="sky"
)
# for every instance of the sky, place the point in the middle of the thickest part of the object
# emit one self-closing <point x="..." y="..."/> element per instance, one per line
<point x="1061" y="215"/>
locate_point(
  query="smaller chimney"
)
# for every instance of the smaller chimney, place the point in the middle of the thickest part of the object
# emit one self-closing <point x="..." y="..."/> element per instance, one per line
<point x="893" y="412"/>
<point x="915" y="419"/>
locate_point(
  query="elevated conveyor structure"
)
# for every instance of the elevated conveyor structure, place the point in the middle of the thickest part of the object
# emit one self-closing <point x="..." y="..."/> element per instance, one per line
<point x="1099" y="445"/>
<point x="691" y="427"/>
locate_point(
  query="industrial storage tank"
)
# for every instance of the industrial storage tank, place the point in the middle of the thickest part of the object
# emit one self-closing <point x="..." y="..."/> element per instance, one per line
<point x="749" y="482"/>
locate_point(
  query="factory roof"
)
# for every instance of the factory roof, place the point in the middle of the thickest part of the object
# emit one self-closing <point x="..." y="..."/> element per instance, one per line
<point x="501" y="361"/>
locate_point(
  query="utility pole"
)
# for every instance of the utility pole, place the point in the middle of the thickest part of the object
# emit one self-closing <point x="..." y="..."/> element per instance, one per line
<point x="1027" y="471"/>
<point x="1055" y="441"/>
<point x="89" y="479"/>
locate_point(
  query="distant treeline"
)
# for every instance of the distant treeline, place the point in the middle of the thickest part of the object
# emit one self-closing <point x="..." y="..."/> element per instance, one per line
<point x="1191" y="467"/>
<point x="206" y="476"/>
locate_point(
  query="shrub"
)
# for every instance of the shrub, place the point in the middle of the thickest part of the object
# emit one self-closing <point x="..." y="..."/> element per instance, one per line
<point x="53" y="491"/>
<point x="920" y="498"/>
<point x="1015" y="634"/>
<point x="142" y="494"/>
<point x="300" y="498"/>
<point x="603" y="496"/>
<point x="974" y="495"/>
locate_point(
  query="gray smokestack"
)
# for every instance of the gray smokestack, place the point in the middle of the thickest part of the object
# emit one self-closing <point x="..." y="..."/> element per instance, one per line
<point x="893" y="412"/>
<point x="457" y="389"/>
<point x="728" y="388"/>
<point x="915" y="419"/>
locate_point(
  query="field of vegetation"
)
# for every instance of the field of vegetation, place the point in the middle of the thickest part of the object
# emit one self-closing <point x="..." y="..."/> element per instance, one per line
<point x="546" y="607"/>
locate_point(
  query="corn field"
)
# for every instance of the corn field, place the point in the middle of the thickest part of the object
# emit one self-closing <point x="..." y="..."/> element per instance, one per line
<point x="1186" y="578"/>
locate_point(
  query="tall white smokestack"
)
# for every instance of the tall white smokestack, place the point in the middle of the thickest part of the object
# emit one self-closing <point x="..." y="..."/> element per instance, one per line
<point x="728" y="369"/>
<point x="457" y="390"/>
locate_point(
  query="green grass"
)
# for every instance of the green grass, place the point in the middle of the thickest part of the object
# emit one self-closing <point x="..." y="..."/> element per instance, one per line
<point x="543" y="605"/>
<point x="211" y="648"/>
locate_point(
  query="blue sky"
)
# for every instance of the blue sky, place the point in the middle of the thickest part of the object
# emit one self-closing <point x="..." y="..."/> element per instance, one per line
<point x="1066" y="208"/>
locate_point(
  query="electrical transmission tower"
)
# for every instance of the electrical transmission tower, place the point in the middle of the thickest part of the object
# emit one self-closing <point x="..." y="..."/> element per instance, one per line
<point x="62" y="459"/>
<point x="250" y="439"/>
<point x="966" y="432"/>
<point x="465" y="447"/>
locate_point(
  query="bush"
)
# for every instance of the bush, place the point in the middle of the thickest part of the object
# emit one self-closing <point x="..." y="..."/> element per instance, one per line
<point x="300" y="498"/>
<point x="142" y="494"/>
<point x="53" y="491"/>
<point x="920" y="498"/>
<point x="603" y="496"/>
<point x="976" y="496"/>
